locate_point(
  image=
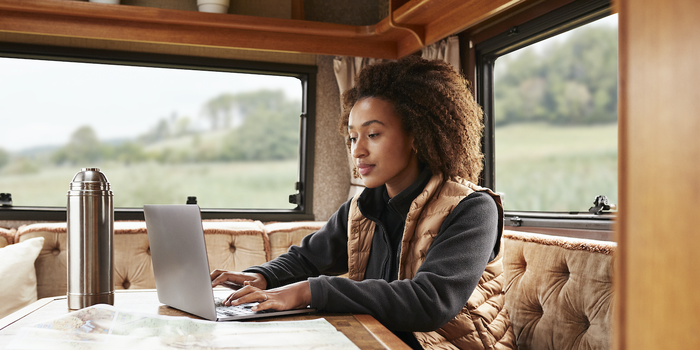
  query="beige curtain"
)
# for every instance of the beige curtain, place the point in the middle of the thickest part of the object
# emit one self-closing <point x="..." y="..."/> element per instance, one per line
<point x="446" y="50"/>
<point x="346" y="69"/>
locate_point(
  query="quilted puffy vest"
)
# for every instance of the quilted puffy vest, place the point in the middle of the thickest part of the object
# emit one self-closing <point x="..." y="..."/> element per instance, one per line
<point x="483" y="323"/>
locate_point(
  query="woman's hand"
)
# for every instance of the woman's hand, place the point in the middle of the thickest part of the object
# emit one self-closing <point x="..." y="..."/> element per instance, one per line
<point x="236" y="280"/>
<point x="291" y="296"/>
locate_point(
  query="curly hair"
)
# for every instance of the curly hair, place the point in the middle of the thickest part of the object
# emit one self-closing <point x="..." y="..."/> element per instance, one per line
<point x="435" y="106"/>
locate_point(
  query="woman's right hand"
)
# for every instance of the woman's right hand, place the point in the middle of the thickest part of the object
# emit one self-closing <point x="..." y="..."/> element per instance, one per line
<point x="238" y="279"/>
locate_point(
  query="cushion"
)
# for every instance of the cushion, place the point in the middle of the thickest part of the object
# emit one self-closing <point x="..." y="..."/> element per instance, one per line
<point x="231" y="245"/>
<point x="6" y="236"/>
<point x="132" y="256"/>
<point x="51" y="270"/>
<point x="283" y="235"/>
<point x="235" y="245"/>
<point x="559" y="291"/>
<point x="18" y="276"/>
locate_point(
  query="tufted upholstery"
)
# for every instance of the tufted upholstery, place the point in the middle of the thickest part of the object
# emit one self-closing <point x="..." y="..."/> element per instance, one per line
<point x="559" y="291"/>
<point x="232" y="245"/>
<point x="7" y="236"/>
<point x="51" y="263"/>
<point x="235" y="245"/>
<point x="285" y="234"/>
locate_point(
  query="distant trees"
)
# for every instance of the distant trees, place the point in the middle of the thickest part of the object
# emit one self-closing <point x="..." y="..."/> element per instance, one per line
<point x="264" y="125"/>
<point x="575" y="82"/>
<point x="83" y="146"/>
<point x="220" y="111"/>
<point x="270" y="130"/>
<point x="231" y="110"/>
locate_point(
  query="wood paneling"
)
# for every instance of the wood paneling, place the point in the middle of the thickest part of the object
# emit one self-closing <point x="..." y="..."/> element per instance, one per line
<point x="142" y="24"/>
<point x="158" y="48"/>
<point x="298" y="9"/>
<point x="427" y="21"/>
<point x="658" y="261"/>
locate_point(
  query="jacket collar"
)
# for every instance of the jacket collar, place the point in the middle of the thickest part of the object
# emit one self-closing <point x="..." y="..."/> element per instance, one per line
<point x="373" y="200"/>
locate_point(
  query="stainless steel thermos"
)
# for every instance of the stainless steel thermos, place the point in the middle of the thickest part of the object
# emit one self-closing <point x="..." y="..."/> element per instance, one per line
<point x="90" y="240"/>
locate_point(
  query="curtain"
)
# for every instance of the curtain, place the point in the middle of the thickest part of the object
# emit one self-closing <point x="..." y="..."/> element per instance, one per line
<point x="446" y="50"/>
<point x="346" y="69"/>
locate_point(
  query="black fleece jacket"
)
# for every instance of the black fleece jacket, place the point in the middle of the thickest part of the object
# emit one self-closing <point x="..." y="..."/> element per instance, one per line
<point x="466" y="242"/>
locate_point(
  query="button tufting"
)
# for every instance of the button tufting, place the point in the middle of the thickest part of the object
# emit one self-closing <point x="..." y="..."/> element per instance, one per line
<point x="538" y="308"/>
<point x="232" y="248"/>
<point x="56" y="251"/>
<point x="148" y="250"/>
<point x="126" y="284"/>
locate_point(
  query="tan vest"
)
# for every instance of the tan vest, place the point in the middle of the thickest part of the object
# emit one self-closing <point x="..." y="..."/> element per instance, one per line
<point x="483" y="323"/>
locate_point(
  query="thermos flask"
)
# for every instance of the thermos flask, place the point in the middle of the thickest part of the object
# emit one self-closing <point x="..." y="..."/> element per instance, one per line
<point x="90" y="240"/>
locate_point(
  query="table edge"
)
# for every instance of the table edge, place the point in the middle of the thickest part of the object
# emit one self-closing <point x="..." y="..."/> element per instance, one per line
<point x="25" y="311"/>
<point x="384" y="336"/>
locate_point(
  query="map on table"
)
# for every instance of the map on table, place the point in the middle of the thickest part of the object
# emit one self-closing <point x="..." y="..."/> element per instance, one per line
<point x="106" y="327"/>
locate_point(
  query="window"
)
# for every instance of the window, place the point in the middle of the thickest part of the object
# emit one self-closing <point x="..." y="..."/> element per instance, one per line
<point x="161" y="128"/>
<point x="549" y="91"/>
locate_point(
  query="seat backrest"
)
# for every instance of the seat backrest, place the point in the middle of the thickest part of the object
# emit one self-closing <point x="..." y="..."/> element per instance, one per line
<point x="559" y="291"/>
<point x="231" y="245"/>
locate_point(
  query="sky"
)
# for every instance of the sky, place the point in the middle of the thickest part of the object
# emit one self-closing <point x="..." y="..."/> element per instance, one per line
<point x="43" y="102"/>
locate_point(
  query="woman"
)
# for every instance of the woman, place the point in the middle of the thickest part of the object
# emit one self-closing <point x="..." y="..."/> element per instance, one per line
<point x="416" y="242"/>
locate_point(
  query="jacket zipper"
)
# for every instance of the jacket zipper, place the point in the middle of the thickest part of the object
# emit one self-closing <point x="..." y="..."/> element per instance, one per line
<point x="387" y="256"/>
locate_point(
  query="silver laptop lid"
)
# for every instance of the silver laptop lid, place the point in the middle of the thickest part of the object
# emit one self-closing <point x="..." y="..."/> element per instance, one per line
<point x="179" y="256"/>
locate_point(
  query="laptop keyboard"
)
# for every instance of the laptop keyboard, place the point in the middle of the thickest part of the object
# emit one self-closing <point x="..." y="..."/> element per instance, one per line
<point x="237" y="310"/>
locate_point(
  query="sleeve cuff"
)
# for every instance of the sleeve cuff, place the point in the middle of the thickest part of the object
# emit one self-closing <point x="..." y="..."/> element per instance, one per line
<point x="318" y="294"/>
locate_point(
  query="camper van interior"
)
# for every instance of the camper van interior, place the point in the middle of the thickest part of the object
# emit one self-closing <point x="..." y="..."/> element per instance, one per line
<point x="591" y="118"/>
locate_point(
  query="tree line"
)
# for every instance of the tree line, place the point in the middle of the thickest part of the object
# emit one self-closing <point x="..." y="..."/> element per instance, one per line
<point x="572" y="83"/>
<point x="254" y="126"/>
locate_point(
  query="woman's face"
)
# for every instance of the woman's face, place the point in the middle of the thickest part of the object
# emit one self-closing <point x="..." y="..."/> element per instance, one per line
<point x="381" y="150"/>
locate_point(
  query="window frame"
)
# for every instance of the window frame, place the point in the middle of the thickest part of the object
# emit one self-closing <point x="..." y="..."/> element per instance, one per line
<point x="305" y="73"/>
<point x="555" y="22"/>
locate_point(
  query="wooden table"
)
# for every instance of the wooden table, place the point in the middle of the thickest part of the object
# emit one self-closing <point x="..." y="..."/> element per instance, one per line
<point x="363" y="330"/>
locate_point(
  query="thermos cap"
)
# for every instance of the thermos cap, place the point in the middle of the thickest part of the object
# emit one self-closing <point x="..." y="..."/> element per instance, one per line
<point x="90" y="179"/>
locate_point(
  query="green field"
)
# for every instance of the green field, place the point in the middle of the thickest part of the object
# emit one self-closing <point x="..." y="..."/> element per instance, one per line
<point x="554" y="168"/>
<point x="216" y="185"/>
<point x="538" y="167"/>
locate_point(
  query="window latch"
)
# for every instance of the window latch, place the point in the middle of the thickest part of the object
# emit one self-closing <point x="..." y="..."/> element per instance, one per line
<point x="600" y="203"/>
<point x="516" y="221"/>
<point x="296" y="197"/>
<point x="6" y="199"/>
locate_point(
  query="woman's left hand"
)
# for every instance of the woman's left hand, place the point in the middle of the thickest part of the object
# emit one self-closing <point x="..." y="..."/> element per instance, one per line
<point x="292" y="296"/>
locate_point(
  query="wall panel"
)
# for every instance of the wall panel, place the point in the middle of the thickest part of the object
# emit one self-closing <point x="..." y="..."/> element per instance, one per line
<point x="658" y="261"/>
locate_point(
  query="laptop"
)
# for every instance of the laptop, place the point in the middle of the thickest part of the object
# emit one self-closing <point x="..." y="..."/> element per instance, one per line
<point x="181" y="265"/>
